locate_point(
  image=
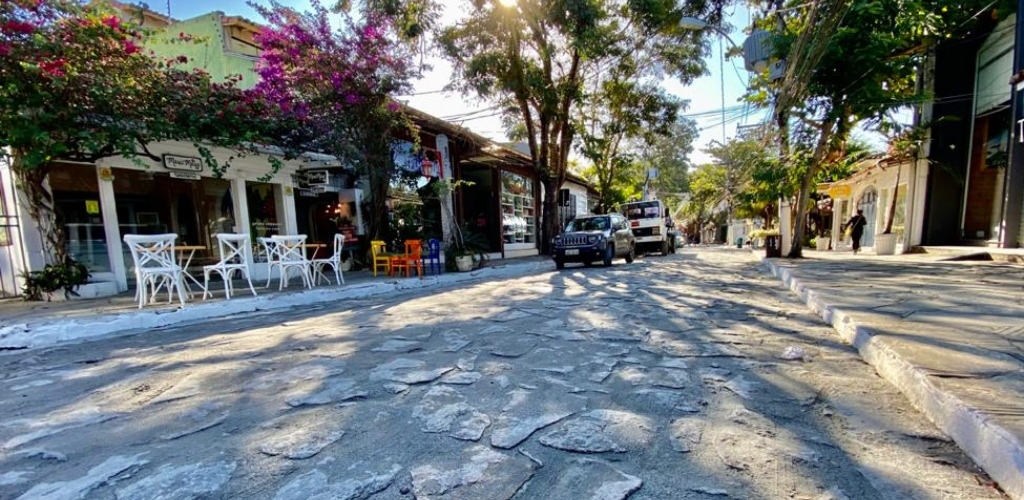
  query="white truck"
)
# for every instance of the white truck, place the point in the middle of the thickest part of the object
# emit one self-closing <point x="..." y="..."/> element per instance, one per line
<point x="651" y="225"/>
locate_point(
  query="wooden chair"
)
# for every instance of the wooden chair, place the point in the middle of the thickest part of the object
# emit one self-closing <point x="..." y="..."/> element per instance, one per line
<point x="411" y="258"/>
<point x="380" y="257"/>
<point x="334" y="262"/>
<point x="155" y="267"/>
<point x="291" y="254"/>
<point x="234" y="256"/>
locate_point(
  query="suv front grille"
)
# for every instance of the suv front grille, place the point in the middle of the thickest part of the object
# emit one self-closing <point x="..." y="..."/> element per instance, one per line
<point x="574" y="241"/>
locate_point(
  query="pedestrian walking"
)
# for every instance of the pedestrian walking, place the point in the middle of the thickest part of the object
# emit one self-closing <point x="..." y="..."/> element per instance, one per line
<point x="856" y="226"/>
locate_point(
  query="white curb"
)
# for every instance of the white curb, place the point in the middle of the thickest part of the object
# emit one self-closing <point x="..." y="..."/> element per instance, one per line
<point x="995" y="449"/>
<point x="56" y="331"/>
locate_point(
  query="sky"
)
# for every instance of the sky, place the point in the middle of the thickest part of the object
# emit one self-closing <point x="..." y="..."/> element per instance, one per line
<point x="705" y="95"/>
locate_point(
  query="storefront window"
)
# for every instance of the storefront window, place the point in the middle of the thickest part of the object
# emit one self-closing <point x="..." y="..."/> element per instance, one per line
<point x="518" y="211"/>
<point x="76" y="194"/>
<point x="155" y="203"/>
<point x="263" y="219"/>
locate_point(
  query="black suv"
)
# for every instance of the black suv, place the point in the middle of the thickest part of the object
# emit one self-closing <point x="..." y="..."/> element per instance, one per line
<point x="594" y="238"/>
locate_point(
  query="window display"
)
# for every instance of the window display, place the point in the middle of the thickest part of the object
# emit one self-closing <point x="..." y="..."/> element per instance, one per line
<point x="518" y="210"/>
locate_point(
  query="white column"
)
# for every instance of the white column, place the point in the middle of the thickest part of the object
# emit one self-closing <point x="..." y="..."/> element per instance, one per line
<point x="915" y="224"/>
<point x="111" y="226"/>
<point x="837" y="221"/>
<point x="785" y="225"/>
<point x="28" y="230"/>
<point x="241" y="206"/>
<point x="10" y="194"/>
<point x="910" y="173"/>
<point x="284" y="198"/>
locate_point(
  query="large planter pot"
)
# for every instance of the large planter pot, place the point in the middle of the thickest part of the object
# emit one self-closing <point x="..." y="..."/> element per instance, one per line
<point x="885" y="244"/>
<point x="464" y="263"/>
<point x="821" y="243"/>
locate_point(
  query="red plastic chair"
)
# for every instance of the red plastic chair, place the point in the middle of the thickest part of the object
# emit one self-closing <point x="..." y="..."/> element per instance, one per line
<point x="411" y="258"/>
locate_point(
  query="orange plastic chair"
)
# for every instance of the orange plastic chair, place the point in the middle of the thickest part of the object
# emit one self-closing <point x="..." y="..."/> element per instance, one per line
<point x="378" y="251"/>
<point x="412" y="258"/>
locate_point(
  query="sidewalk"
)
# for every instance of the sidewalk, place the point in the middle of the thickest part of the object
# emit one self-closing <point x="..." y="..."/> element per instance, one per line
<point x="948" y="334"/>
<point x="39" y="324"/>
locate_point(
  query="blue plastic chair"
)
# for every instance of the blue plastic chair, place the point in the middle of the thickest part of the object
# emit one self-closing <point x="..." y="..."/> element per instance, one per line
<point x="432" y="256"/>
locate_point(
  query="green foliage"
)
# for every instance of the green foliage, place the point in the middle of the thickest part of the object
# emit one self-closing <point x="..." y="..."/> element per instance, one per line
<point x="66" y="277"/>
<point x="534" y="61"/>
<point x="854" y="61"/>
<point x="472" y="243"/>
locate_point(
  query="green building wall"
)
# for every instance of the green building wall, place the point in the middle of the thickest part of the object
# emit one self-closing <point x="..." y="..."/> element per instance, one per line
<point x="209" y="50"/>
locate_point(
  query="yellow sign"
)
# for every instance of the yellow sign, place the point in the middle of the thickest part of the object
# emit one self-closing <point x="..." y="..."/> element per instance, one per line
<point x="840" y="191"/>
<point x="92" y="207"/>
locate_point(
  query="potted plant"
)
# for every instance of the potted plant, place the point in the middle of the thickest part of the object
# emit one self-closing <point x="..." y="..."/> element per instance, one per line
<point x="822" y="241"/>
<point x="459" y="249"/>
<point x="903" y="147"/>
<point x="55" y="281"/>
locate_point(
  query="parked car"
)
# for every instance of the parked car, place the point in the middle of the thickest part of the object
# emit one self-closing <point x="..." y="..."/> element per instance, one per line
<point x="594" y="238"/>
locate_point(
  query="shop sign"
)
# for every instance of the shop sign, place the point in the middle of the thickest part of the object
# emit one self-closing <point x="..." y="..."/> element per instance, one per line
<point x="307" y="193"/>
<point x="317" y="177"/>
<point x="183" y="163"/>
<point x="840" y="191"/>
<point x="189" y="176"/>
<point x="92" y="207"/>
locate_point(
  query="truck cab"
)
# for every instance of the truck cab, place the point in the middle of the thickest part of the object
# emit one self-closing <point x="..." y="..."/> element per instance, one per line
<point x="652" y="228"/>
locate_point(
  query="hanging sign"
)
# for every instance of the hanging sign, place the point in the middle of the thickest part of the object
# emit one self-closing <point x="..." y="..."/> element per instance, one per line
<point x="183" y="163"/>
<point x="188" y="176"/>
<point x="317" y="177"/>
<point x="840" y="191"/>
<point x="92" y="207"/>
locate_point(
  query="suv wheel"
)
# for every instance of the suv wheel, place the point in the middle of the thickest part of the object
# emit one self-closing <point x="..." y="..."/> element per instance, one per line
<point x="609" y="254"/>
<point x="559" y="264"/>
<point x="664" y="248"/>
<point x="631" y="255"/>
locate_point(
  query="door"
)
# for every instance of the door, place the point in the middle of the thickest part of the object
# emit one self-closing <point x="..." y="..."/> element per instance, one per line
<point x="868" y="203"/>
<point x="621" y="234"/>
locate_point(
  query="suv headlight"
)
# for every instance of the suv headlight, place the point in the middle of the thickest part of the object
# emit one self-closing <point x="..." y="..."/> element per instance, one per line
<point x="592" y="239"/>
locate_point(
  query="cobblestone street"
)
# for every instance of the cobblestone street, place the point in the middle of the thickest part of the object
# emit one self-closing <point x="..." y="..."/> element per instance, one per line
<point x="692" y="376"/>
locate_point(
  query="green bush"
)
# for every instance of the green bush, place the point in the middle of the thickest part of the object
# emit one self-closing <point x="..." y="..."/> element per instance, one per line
<point x="67" y="276"/>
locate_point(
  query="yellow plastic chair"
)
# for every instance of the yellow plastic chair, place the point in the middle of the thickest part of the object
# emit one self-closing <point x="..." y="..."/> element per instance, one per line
<point x="378" y="250"/>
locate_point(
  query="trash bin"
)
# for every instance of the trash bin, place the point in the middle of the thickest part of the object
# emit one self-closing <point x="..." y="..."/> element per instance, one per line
<point x="739" y="242"/>
<point x="772" y="246"/>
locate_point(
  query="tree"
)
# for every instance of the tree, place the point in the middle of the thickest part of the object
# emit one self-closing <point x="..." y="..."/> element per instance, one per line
<point x="707" y="190"/>
<point x="854" y="60"/>
<point x="76" y="85"/>
<point x="338" y="85"/>
<point x="670" y="155"/>
<point x="537" y="58"/>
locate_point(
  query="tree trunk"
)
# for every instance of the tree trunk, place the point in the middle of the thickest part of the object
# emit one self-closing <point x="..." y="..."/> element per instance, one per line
<point x="892" y="206"/>
<point x="800" y="226"/>
<point x="551" y="218"/>
<point x="43" y="209"/>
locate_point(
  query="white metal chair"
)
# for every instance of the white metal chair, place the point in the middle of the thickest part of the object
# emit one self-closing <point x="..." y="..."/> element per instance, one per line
<point x="155" y="266"/>
<point x="269" y="249"/>
<point x="291" y="254"/>
<point x="235" y="254"/>
<point x="334" y="261"/>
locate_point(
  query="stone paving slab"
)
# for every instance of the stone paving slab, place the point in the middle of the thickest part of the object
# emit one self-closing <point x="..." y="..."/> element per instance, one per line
<point x="949" y="335"/>
<point x="29" y="325"/>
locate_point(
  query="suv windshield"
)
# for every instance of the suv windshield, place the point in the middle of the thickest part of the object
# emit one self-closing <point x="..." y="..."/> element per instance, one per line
<point x="589" y="224"/>
<point x="642" y="210"/>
